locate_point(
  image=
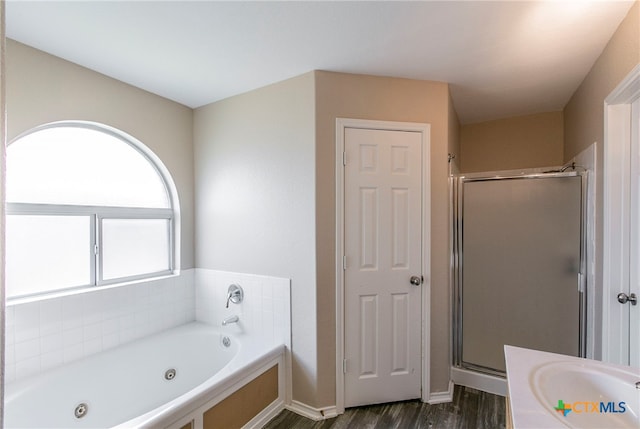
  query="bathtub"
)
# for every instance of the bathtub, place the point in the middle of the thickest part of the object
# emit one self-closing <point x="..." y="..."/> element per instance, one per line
<point x="167" y="380"/>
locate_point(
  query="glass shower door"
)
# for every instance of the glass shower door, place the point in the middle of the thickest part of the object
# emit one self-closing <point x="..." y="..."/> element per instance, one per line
<point x="519" y="244"/>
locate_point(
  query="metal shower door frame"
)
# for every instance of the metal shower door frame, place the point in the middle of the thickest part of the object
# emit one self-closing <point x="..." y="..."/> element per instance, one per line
<point x="457" y="193"/>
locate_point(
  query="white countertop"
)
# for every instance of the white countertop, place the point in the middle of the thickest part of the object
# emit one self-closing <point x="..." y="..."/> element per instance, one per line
<point x="527" y="410"/>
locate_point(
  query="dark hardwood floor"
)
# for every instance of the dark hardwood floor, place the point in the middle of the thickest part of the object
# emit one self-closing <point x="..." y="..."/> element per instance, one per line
<point x="470" y="409"/>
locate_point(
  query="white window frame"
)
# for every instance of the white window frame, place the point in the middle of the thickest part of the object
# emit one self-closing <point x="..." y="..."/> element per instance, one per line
<point x="98" y="213"/>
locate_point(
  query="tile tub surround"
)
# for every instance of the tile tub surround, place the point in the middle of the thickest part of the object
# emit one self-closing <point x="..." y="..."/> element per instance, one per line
<point x="265" y="310"/>
<point x="45" y="333"/>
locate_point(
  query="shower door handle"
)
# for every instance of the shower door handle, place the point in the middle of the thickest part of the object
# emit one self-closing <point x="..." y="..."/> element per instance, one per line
<point x="623" y="298"/>
<point x="415" y="280"/>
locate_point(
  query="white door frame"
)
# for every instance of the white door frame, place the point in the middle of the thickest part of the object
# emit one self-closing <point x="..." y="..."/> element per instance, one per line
<point x="617" y="146"/>
<point x="424" y="129"/>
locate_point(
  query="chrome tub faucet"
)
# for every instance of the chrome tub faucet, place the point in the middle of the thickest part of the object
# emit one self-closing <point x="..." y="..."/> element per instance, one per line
<point x="235" y="294"/>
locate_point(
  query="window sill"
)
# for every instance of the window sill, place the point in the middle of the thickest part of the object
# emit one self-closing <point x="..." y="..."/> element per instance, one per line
<point x="83" y="290"/>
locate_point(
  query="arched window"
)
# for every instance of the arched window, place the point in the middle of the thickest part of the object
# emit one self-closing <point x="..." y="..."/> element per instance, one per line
<point x="87" y="205"/>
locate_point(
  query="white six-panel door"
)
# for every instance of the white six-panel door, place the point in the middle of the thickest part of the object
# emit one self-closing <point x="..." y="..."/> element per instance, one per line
<point x="382" y="242"/>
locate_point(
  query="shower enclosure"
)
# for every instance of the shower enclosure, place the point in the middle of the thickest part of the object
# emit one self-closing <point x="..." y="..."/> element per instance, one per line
<point x="519" y="266"/>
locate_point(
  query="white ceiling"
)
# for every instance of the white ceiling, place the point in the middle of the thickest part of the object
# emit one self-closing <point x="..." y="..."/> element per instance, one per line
<point x="502" y="59"/>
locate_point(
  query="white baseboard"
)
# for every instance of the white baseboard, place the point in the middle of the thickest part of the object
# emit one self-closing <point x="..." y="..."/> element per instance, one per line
<point x="441" y="397"/>
<point x="312" y="413"/>
<point x="265" y="415"/>
<point x="476" y="380"/>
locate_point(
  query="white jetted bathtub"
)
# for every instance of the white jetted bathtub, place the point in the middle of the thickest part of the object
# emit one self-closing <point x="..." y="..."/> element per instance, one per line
<point x="171" y="379"/>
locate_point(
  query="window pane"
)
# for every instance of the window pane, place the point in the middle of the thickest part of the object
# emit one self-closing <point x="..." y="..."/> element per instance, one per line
<point x="132" y="247"/>
<point x="46" y="253"/>
<point x="81" y="166"/>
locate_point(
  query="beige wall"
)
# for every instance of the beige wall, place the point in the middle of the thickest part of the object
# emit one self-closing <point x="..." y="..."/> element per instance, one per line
<point x="387" y="99"/>
<point x="454" y="138"/>
<point x="42" y="88"/>
<point x="255" y="204"/>
<point x="513" y="143"/>
<point x="584" y="120"/>
<point x="584" y="113"/>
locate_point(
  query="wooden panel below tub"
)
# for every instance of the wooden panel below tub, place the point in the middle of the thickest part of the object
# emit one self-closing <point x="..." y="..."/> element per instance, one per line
<point x="188" y="425"/>
<point x="245" y="403"/>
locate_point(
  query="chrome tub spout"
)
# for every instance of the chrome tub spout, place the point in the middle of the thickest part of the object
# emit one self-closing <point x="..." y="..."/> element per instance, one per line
<point x="230" y="319"/>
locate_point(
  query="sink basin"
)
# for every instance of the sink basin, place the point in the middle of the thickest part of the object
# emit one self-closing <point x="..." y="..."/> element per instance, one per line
<point x="587" y="394"/>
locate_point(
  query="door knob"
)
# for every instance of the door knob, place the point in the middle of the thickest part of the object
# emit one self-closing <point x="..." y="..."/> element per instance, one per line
<point x="415" y="280"/>
<point x="623" y="298"/>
